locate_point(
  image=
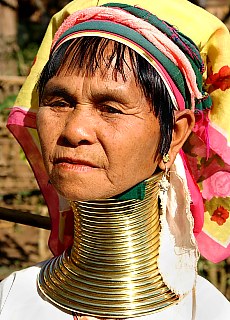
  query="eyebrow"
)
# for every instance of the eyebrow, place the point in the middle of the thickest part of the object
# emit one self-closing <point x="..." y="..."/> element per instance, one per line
<point x="59" y="91"/>
<point x="63" y="91"/>
<point x="56" y="90"/>
<point x="110" y="95"/>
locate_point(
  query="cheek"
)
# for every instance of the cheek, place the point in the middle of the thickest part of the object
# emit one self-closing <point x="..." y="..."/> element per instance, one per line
<point x="47" y="131"/>
<point x="135" y="150"/>
<point x="144" y="141"/>
<point x="146" y="151"/>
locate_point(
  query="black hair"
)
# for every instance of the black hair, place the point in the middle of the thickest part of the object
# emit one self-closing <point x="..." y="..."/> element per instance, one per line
<point x="88" y="54"/>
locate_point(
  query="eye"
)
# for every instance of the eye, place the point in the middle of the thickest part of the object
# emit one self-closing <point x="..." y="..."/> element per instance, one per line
<point x="109" y="109"/>
<point x="56" y="103"/>
<point x="60" y="104"/>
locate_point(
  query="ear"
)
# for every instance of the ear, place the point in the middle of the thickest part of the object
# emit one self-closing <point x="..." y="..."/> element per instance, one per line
<point x="183" y="125"/>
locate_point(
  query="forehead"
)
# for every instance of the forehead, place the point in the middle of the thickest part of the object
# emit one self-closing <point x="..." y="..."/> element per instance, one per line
<point x="109" y="59"/>
<point x="87" y="55"/>
<point x="97" y="88"/>
<point x="107" y="78"/>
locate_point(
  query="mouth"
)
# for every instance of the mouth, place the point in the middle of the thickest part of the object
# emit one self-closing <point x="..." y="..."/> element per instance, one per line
<point x="72" y="164"/>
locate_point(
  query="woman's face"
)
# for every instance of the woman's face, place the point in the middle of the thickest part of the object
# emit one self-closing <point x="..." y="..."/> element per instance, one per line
<point x="98" y="134"/>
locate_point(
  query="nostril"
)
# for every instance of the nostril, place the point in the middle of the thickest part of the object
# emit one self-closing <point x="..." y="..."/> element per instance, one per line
<point x="83" y="142"/>
<point x="65" y="142"/>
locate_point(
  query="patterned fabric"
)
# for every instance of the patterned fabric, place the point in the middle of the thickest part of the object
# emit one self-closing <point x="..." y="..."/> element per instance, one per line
<point x="206" y="154"/>
<point x="151" y="34"/>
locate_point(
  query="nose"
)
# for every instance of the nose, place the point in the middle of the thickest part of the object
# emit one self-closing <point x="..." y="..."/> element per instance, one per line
<point x="79" y="127"/>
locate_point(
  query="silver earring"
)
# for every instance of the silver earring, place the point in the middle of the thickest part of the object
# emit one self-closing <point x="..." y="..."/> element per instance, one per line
<point x="164" y="185"/>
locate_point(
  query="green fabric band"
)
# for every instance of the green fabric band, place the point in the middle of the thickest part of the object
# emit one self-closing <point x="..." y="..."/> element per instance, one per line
<point x="137" y="192"/>
<point x="136" y="38"/>
<point x="185" y="44"/>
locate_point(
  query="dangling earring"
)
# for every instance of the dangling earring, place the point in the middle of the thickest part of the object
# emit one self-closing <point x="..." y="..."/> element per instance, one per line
<point x="164" y="185"/>
<point x="166" y="157"/>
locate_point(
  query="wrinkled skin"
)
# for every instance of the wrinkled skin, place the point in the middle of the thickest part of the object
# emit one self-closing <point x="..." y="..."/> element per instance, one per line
<point x="98" y="134"/>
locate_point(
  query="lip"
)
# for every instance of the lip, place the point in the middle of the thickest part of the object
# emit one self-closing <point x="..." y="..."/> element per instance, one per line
<point x="75" y="164"/>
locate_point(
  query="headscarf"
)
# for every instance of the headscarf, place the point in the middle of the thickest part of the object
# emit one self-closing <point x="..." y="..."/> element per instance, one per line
<point x="205" y="69"/>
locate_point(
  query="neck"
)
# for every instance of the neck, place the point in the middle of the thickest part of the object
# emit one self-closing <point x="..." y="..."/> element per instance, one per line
<point x="111" y="269"/>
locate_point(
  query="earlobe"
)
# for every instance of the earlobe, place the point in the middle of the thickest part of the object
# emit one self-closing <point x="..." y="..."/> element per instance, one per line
<point x="183" y="125"/>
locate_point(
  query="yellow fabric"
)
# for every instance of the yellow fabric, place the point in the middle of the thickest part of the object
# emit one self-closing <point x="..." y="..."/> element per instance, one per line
<point x="212" y="38"/>
<point x="207" y="30"/>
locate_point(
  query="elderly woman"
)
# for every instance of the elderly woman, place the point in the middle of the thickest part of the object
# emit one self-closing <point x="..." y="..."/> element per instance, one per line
<point x="119" y="93"/>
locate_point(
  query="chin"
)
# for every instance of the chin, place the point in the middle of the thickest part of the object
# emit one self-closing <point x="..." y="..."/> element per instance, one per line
<point x="84" y="194"/>
<point x="82" y="191"/>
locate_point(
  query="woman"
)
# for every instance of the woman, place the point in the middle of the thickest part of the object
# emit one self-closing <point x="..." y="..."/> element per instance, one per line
<point x="118" y="97"/>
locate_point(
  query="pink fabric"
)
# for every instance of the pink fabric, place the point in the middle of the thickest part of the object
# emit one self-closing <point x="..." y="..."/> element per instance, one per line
<point x="206" y="173"/>
<point x="197" y="206"/>
<point x="18" y="123"/>
<point x="216" y="140"/>
<point x="213" y="249"/>
<point x="159" y="39"/>
<point x="23" y="118"/>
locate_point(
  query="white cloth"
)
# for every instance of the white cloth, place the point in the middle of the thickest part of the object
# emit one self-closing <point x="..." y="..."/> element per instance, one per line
<point x="20" y="300"/>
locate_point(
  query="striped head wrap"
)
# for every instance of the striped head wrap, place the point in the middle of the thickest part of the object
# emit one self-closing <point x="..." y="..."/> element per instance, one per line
<point x="196" y="73"/>
<point x="173" y="55"/>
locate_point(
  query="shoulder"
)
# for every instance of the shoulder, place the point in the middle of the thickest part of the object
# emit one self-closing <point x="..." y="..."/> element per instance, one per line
<point x="20" y="299"/>
<point x="210" y="302"/>
<point x="17" y="284"/>
<point x="19" y="278"/>
<point x="24" y="275"/>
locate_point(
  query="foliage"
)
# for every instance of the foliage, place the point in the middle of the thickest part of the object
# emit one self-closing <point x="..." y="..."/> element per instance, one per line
<point x="29" y="38"/>
<point x="7" y="104"/>
<point x="217" y="273"/>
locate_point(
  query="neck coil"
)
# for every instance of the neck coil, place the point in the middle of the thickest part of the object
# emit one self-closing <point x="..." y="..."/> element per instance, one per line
<point x="111" y="270"/>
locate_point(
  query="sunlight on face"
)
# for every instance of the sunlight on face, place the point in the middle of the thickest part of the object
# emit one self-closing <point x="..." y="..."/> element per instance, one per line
<point x="98" y="134"/>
